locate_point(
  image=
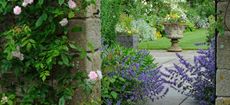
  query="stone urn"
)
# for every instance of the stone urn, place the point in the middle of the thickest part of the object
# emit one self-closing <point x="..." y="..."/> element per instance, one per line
<point x="128" y="41"/>
<point x="174" y="32"/>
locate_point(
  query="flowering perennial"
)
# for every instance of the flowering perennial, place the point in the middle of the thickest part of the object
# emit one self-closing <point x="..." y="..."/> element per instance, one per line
<point x="133" y="77"/>
<point x="198" y="79"/>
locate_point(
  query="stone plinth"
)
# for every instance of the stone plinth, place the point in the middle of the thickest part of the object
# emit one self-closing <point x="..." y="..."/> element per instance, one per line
<point x="223" y="83"/>
<point x="223" y="56"/>
<point x="222" y="101"/>
<point x="223" y="53"/>
<point x="128" y="41"/>
<point x="84" y="31"/>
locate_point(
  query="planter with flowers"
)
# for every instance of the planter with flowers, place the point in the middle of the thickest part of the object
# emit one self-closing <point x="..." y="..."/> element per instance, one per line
<point x="127" y="38"/>
<point x="126" y="35"/>
<point x="174" y="27"/>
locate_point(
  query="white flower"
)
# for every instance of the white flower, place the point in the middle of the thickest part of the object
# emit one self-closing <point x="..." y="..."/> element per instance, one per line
<point x="4" y="100"/>
<point x="63" y="22"/>
<point x="18" y="54"/>
<point x="99" y="73"/>
<point x="24" y="4"/>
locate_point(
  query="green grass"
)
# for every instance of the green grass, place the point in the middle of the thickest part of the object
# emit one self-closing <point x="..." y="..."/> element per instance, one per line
<point x="187" y="42"/>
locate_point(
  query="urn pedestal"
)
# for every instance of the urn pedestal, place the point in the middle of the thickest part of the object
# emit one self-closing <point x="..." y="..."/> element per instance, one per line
<point x="174" y="32"/>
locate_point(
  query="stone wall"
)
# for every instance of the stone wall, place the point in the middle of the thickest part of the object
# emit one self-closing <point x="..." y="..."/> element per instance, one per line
<point x="223" y="57"/>
<point x="89" y="38"/>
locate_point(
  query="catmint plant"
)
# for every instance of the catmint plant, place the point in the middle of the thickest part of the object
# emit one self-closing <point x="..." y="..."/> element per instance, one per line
<point x="195" y="79"/>
<point x="130" y="76"/>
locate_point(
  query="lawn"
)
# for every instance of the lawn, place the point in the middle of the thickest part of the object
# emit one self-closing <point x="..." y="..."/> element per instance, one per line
<point x="188" y="42"/>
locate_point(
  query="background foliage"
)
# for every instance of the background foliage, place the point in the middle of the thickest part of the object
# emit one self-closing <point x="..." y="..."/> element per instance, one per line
<point x="110" y="12"/>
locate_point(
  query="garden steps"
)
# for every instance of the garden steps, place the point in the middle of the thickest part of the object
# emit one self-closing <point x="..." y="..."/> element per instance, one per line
<point x="166" y="59"/>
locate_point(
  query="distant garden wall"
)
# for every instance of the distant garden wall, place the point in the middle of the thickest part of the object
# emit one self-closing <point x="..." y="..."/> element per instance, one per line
<point x="223" y="56"/>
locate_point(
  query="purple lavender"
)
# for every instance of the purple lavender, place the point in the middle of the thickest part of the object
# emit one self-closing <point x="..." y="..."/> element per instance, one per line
<point x="197" y="79"/>
<point x="142" y="78"/>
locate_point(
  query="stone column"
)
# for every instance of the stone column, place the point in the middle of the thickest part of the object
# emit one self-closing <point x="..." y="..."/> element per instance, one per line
<point x="88" y="38"/>
<point x="223" y="57"/>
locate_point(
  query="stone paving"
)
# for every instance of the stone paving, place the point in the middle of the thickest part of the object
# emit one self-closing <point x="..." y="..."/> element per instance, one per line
<point x="166" y="59"/>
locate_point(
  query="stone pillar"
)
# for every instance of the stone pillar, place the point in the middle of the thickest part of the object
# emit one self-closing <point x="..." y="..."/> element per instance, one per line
<point x="223" y="57"/>
<point x="89" y="38"/>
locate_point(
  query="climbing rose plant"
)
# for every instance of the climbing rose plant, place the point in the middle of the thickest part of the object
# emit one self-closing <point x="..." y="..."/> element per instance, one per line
<point x="195" y="79"/>
<point x="36" y="57"/>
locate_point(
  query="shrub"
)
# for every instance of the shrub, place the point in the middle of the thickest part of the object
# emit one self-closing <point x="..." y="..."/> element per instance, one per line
<point x="144" y="30"/>
<point x="198" y="79"/>
<point x="130" y="76"/>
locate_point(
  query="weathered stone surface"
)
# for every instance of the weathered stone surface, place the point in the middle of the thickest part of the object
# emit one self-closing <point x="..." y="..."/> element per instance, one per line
<point x="222" y="7"/>
<point x="91" y="64"/>
<point x="223" y="83"/>
<point x="128" y="41"/>
<point x="223" y="101"/>
<point x="81" y="98"/>
<point x="93" y="10"/>
<point x="223" y="51"/>
<point x="89" y="36"/>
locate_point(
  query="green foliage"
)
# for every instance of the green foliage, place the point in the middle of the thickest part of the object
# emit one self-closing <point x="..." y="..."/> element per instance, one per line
<point x="7" y="99"/>
<point x="211" y="28"/>
<point x="36" y="57"/>
<point x="204" y="8"/>
<point x="110" y="12"/>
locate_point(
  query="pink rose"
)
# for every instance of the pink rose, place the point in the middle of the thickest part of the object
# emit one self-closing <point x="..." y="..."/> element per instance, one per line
<point x="92" y="75"/>
<point x="72" y="4"/>
<point x="17" y="10"/>
<point x="26" y="2"/>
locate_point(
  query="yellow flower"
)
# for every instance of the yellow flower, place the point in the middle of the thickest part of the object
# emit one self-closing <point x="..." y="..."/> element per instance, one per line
<point x="174" y="16"/>
<point x="129" y="32"/>
<point x="158" y="35"/>
<point x="17" y="29"/>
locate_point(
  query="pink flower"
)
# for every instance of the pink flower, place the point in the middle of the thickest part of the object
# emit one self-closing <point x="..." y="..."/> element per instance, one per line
<point x="17" y="10"/>
<point x="72" y="4"/>
<point x="92" y="75"/>
<point x="26" y="2"/>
